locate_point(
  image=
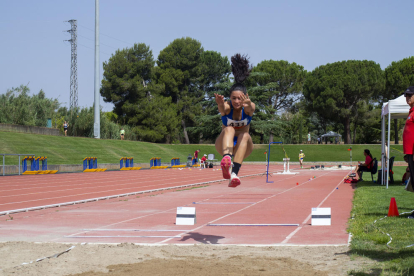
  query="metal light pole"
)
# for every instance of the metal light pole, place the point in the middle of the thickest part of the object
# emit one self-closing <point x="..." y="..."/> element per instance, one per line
<point x="97" y="119"/>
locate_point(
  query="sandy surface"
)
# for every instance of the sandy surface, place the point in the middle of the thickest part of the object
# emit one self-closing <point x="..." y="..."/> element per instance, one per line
<point x="130" y="259"/>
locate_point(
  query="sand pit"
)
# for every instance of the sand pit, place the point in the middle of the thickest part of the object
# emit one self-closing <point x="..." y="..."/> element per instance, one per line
<point x="130" y="259"/>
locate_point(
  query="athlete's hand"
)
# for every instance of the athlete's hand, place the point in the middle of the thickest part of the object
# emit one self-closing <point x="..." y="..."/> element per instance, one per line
<point x="246" y="100"/>
<point x="219" y="99"/>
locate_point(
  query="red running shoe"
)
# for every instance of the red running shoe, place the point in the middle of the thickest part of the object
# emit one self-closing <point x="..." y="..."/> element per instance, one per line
<point x="234" y="181"/>
<point x="226" y="166"/>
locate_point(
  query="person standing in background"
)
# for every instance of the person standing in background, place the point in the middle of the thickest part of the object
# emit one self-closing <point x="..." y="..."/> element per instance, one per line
<point x="122" y="132"/>
<point x="65" y="128"/>
<point x="301" y="156"/>
<point x="309" y="138"/>
<point x="408" y="137"/>
<point x="196" y="156"/>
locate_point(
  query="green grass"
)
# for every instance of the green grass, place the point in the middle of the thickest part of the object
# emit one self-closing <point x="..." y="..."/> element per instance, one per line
<point x="371" y="202"/>
<point x="72" y="150"/>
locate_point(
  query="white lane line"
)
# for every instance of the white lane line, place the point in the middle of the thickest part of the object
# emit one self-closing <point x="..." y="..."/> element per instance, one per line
<point x="310" y="215"/>
<point x="160" y="212"/>
<point x="282" y="192"/>
<point x="139" y="217"/>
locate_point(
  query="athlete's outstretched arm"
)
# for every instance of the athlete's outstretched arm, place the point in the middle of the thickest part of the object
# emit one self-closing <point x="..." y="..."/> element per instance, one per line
<point x="249" y="106"/>
<point x="222" y="105"/>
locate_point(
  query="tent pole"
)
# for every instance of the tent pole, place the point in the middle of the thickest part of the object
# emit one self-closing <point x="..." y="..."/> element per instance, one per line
<point x="382" y="151"/>
<point x="389" y="137"/>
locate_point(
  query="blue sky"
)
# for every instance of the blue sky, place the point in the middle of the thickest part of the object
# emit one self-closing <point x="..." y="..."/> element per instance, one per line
<point x="310" y="33"/>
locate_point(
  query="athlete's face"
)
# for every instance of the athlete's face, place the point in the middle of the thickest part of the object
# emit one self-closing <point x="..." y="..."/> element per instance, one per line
<point x="236" y="98"/>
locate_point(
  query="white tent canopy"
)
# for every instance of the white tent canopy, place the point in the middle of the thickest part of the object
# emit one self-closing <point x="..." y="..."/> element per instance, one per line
<point x="331" y="134"/>
<point x="393" y="109"/>
<point x="398" y="108"/>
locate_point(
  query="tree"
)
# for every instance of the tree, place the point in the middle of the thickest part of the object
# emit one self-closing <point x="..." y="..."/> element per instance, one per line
<point x="215" y="72"/>
<point x="156" y="119"/>
<point x="179" y="69"/>
<point x="128" y="78"/>
<point x="18" y="107"/>
<point x="334" y="90"/>
<point x="398" y="76"/>
<point x="275" y="85"/>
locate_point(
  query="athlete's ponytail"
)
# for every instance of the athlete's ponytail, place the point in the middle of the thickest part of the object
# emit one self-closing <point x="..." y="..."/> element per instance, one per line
<point x="241" y="70"/>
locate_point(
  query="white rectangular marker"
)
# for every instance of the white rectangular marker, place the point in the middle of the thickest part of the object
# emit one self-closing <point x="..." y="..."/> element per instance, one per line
<point x="186" y="216"/>
<point x="321" y="216"/>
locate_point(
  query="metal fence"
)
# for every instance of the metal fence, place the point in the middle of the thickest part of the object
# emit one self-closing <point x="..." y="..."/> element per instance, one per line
<point x="19" y="164"/>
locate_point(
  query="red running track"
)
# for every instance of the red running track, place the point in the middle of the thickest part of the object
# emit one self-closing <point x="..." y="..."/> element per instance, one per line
<point x="254" y="202"/>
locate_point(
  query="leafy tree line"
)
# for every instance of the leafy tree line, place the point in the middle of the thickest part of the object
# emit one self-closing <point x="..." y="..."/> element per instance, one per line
<point x="171" y="99"/>
<point x="18" y="107"/>
<point x="343" y="96"/>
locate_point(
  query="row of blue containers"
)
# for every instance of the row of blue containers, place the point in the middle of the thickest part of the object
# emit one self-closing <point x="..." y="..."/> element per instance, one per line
<point x="34" y="163"/>
<point x="90" y="163"/>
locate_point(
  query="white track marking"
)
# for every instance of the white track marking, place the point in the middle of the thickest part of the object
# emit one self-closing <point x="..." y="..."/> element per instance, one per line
<point x="147" y="215"/>
<point x="282" y="192"/>
<point x="310" y="215"/>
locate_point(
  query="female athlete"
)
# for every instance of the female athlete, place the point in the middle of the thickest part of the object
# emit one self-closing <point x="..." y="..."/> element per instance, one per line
<point x="234" y="140"/>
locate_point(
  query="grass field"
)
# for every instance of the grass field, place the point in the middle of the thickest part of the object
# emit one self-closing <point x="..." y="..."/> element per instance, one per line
<point x="371" y="203"/>
<point x="72" y="150"/>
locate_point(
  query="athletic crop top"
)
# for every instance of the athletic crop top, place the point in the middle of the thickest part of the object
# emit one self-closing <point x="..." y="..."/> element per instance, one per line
<point x="228" y="119"/>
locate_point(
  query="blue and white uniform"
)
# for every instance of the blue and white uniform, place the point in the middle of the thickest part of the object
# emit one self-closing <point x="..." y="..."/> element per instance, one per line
<point x="228" y="120"/>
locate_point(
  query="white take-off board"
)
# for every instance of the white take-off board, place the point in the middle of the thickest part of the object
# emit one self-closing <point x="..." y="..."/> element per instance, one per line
<point x="186" y="216"/>
<point x="321" y="216"/>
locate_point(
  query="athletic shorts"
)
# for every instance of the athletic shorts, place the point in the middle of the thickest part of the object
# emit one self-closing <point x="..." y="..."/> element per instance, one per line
<point x="234" y="141"/>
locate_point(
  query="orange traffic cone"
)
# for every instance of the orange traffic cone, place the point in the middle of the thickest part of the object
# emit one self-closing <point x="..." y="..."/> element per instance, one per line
<point x="393" y="210"/>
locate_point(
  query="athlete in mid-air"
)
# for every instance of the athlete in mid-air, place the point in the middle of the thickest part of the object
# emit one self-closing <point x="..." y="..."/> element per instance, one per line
<point x="234" y="141"/>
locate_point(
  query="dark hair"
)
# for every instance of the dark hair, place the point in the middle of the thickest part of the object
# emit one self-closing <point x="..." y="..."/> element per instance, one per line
<point x="241" y="70"/>
<point x="368" y="152"/>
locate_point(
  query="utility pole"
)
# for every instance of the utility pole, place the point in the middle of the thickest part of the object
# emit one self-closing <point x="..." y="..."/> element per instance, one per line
<point x="73" y="66"/>
<point x="97" y="113"/>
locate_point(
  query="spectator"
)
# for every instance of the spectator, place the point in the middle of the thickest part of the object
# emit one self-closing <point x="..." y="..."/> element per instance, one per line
<point x="406" y="175"/>
<point x="386" y="155"/>
<point x="319" y="140"/>
<point x="203" y="159"/>
<point x="366" y="166"/>
<point x="309" y="138"/>
<point x="65" y="128"/>
<point x="196" y="155"/>
<point x="122" y="133"/>
<point x="301" y="156"/>
<point x="336" y="140"/>
<point x="408" y="138"/>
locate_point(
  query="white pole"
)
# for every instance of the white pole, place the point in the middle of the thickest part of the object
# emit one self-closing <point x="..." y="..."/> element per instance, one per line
<point x="389" y="137"/>
<point x="382" y="150"/>
<point x="97" y="119"/>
